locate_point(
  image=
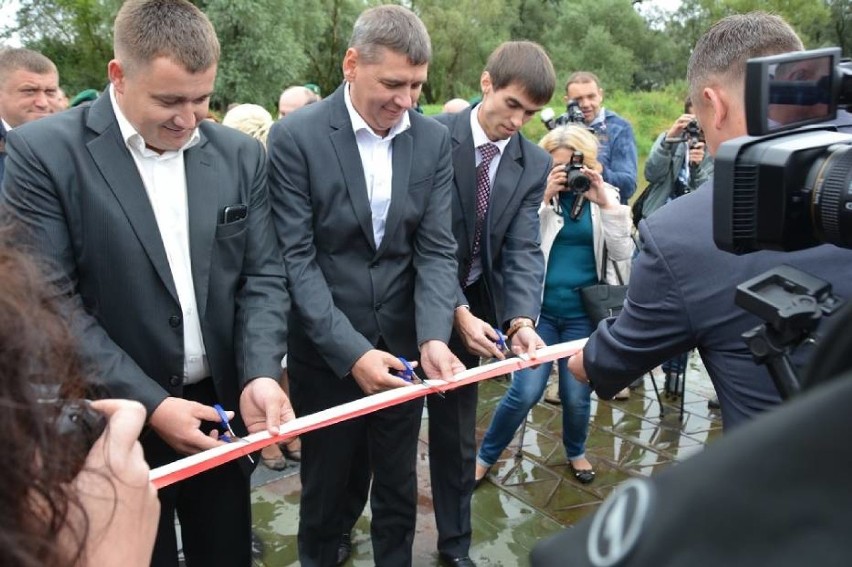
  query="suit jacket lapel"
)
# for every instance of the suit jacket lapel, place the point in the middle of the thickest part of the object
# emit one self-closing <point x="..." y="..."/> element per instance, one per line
<point x="346" y="147"/>
<point x="119" y="170"/>
<point x="203" y="204"/>
<point x="401" y="162"/>
<point x="464" y="166"/>
<point x="505" y="181"/>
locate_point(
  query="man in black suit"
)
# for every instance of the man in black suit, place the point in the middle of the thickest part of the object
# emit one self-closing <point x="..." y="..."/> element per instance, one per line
<point x="501" y="267"/>
<point x="159" y="227"/>
<point x="361" y="195"/>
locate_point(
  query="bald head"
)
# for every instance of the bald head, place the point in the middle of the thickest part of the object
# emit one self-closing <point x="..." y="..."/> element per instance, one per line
<point x="454" y="105"/>
<point x="294" y="98"/>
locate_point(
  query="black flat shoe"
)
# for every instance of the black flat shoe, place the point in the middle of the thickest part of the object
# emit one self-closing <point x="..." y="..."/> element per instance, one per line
<point x="583" y="476"/>
<point x="478" y="481"/>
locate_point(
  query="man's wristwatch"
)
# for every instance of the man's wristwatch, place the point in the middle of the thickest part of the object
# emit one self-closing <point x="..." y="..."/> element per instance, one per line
<point x="517" y="324"/>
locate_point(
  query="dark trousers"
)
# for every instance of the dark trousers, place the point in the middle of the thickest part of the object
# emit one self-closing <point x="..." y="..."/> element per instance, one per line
<point x="332" y="455"/>
<point x="452" y="444"/>
<point x="452" y="451"/>
<point x="214" y="507"/>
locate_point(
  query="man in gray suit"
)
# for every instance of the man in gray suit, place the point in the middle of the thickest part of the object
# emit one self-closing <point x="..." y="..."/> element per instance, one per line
<point x="159" y="228"/>
<point x="682" y="288"/>
<point x="501" y="267"/>
<point x="361" y="195"/>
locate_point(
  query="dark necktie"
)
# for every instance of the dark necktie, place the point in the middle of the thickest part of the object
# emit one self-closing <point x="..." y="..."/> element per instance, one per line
<point x="483" y="193"/>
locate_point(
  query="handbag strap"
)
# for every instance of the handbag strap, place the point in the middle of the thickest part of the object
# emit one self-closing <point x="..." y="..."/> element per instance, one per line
<point x="614" y="265"/>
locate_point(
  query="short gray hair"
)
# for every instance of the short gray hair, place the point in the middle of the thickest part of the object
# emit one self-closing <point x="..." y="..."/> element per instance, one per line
<point x="175" y="29"/>
<point x="14" y="58"/>
<point x="721" y="53"/>
<point x="395" y="28"/>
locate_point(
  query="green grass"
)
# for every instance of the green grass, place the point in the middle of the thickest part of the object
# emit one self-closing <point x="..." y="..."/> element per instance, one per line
<point x="649" y="112"/>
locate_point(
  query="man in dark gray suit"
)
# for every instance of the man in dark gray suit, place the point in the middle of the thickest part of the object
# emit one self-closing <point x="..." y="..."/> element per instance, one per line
<point x="159" y="227"/>
<point x="501" y="267"/>
<point x="361" y="195"/>
<point x="682" y="288"/>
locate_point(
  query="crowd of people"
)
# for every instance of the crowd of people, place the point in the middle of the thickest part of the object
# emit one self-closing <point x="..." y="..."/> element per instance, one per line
<point x="153" y="255"/>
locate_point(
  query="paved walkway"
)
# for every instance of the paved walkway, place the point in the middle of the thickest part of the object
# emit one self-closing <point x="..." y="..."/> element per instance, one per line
<point x="531" y="495"/>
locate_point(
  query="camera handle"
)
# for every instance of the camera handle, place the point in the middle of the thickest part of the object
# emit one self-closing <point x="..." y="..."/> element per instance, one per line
<point x="768" y="347"/>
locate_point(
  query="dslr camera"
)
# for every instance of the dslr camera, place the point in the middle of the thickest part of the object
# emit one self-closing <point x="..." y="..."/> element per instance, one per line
<point x="576" y="181"/>
<point x="788" y="184"/>
<point x="572" y="115"/>
<point x="692" y="135"/>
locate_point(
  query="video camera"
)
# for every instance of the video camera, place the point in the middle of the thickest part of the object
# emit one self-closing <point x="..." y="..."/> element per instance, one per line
<point x="786" y="186"/>
<point x="572" y="115"/>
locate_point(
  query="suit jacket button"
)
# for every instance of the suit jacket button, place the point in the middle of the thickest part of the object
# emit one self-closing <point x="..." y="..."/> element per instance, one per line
<point x="175" y="381"/>
<point x="374" y="265"/>
<point x="378" y="306"/>
<point x="174" y="321"/>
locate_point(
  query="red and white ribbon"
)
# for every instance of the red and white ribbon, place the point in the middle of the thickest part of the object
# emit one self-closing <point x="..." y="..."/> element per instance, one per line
<point x="200" y="462"/>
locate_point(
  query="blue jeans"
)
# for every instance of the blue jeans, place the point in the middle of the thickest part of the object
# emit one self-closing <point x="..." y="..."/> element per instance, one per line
<point x="527" y="388"/>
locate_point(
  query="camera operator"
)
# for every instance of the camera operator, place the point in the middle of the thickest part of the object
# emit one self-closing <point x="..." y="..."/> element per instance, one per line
<point x="682" y="287"/>
<point x="69" y="496"/>
<point x="614" y="133"/>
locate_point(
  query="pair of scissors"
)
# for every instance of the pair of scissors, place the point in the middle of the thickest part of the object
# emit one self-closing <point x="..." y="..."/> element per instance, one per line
<point x="409" y="376"/>
<point x="228" y="435"/>
<point x="502" y="342"/>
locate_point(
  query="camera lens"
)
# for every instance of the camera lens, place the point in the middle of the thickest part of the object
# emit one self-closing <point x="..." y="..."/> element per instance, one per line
<point x="577" y="181"/>
<point x="831" y="198"/>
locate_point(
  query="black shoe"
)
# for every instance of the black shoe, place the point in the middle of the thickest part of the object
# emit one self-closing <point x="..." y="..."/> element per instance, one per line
<point x="451" y="561"/>
<point x="584" y="476"/>
<point x="344" y="548"/>
<point x="713" y="403"/>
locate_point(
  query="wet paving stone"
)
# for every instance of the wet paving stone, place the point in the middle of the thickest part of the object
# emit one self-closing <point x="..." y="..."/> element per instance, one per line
<point x="527" y="497"/>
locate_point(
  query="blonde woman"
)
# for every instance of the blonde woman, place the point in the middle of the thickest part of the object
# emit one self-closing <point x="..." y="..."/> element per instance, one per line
<point x="574" y="229"/>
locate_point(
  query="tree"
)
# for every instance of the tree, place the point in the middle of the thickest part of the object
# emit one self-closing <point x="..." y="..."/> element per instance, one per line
<point x="75" y="34"/>
<point x="261" y="53"/>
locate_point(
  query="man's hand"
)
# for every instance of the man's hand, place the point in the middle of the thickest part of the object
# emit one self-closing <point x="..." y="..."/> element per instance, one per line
<point x="264" y="405"/>
<point x="575" y="367"/>
<point x="696" y="153"/>
<point x="526" y="341"/>
<point x="177" y="422"/>
<point x="676" y="131"/>
<point x="438" y="361"/>
<point x="120" y="503"/>
<point x="479" y="337"/>
<point x="372" y="372"/>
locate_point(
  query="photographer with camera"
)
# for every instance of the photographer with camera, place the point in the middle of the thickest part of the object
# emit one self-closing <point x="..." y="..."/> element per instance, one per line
<point x="617" y="153"/>
<point x="75" y="488"/>
<point x="677" y="164"/>
<point x="580" y="218"/>
<point x="682" y="289"/>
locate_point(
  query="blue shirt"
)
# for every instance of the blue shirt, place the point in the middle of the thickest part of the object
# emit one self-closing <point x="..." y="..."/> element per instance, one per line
<point x="570" y="266"/>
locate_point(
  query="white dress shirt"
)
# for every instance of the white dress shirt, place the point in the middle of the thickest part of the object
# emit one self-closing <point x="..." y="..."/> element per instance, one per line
<point x="377" y="161"/>
<point x="164" y="178"/>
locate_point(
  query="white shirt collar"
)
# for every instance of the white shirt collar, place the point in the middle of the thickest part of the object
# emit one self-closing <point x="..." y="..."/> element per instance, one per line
<point x="359" y="124"/>
<point x="600" y="117"/>
<point x="133" y="139"/>
<point x="479" y="136"/>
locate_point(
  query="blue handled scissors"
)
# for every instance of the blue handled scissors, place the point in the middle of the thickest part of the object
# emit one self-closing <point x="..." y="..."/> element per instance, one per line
<point x="225" y="425"/>
<point x="501" y="341"/>
<point x="409" y="376"/>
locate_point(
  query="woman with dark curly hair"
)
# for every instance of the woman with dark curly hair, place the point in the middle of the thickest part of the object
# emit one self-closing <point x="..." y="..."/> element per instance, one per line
<point x="68" y="496"/>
